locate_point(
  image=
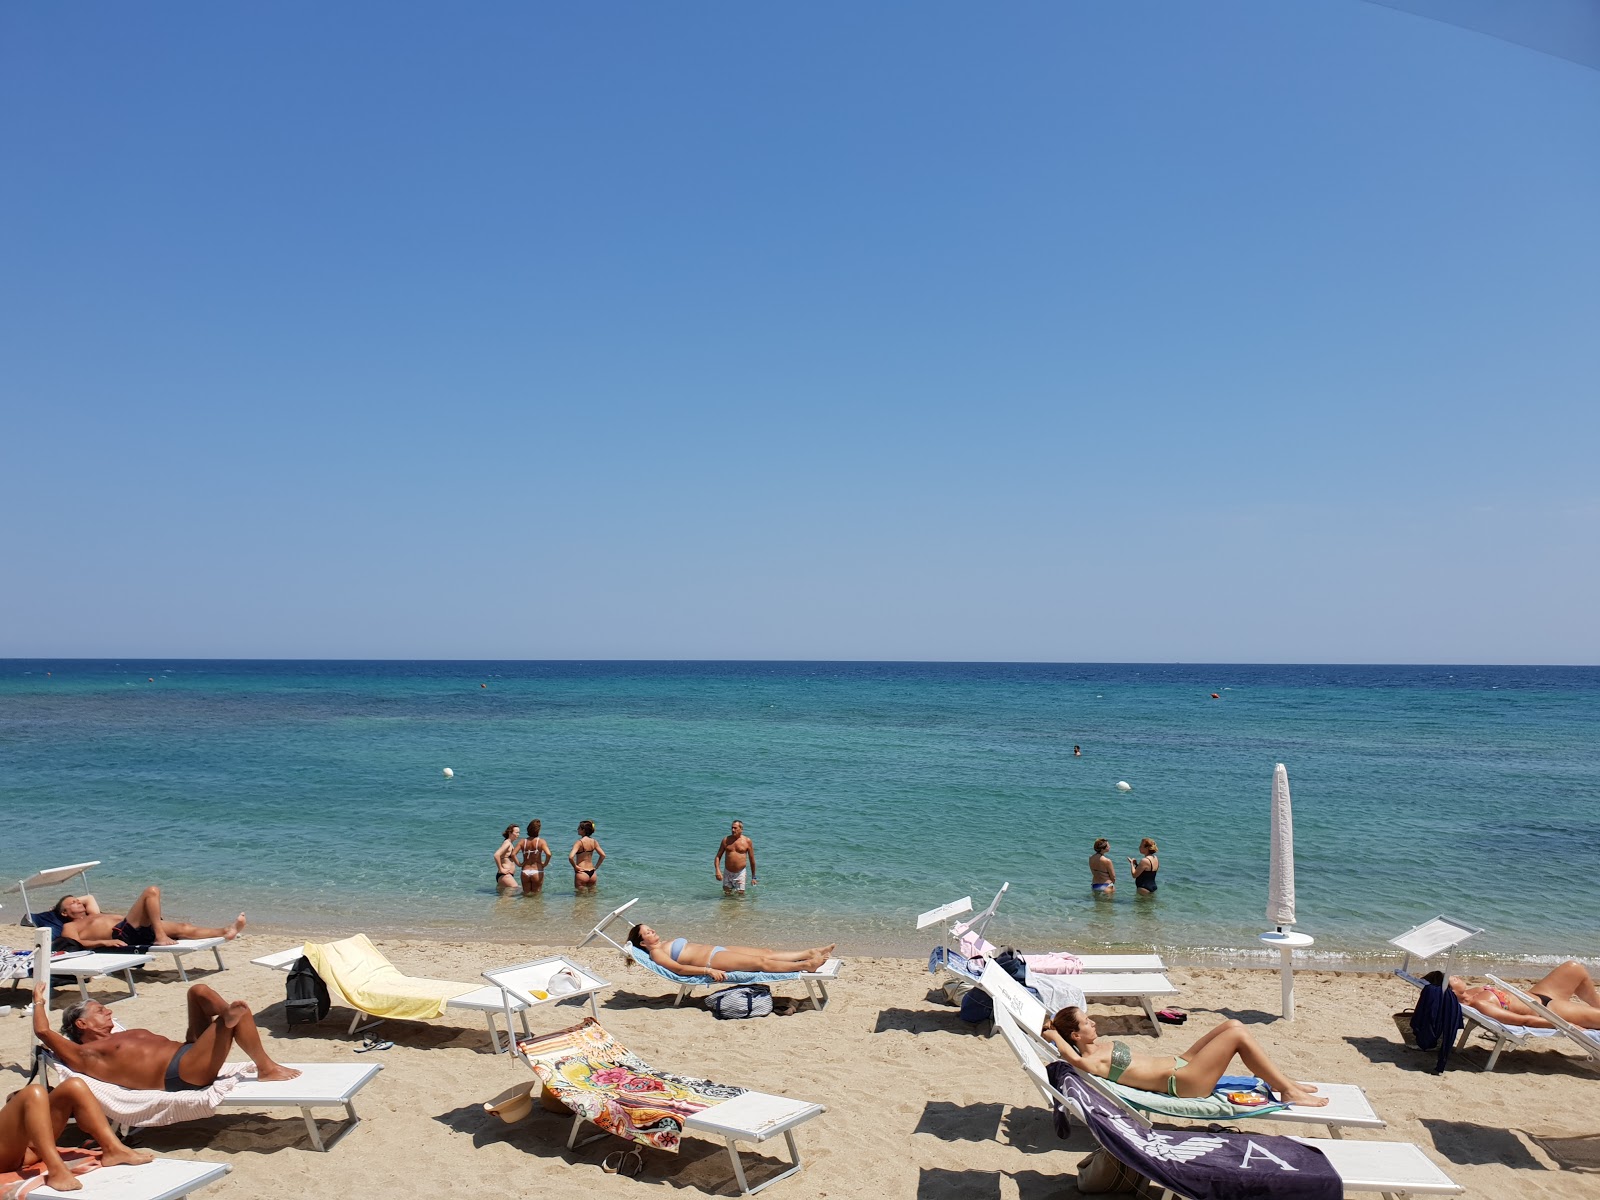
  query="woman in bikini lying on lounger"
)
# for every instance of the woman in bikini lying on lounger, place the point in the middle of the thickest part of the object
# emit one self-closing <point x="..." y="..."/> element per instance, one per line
<point x="683" y="957"/>
<point x="1568" y="991"/>
<point x="1195" y="1072"/>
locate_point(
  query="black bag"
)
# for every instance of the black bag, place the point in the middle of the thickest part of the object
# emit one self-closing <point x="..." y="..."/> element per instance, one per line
<point x="976" y="1006"/>
<point x="305" y="995"/>
<point x="739" y="1003"/>
<point x="1011" y="963"/>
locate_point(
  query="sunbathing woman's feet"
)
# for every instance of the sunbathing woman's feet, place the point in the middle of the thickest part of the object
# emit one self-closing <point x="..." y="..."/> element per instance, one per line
<point x="234" y="930"/>
<point x="275" y="1073"/>
<point x="1302" y="1095"/>
<point x="125" y="1156"/>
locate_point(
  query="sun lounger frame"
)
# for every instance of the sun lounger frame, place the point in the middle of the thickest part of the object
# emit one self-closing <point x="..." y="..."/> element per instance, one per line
<point x="178" y="951"/>
<point x="163" y="1179"/>
<point x="1091" y="962"/>
<point x="491" y="1000"/>
<point x="1347" y="1107"/>
<point x="1396" y="1169"/>
<point x="1442" y="935"/>
<point x="816" y="981"/>
<point x="1139" y="986"/>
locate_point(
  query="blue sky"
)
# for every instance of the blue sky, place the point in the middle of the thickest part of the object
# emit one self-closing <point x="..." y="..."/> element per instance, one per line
<point x="1229" y="331"/>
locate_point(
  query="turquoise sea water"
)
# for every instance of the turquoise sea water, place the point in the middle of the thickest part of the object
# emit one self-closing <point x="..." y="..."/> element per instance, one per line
<point x="312" y="795"/>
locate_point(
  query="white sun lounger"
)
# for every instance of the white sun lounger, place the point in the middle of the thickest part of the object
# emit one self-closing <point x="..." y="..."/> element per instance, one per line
<point x="978" y="924"/>
<point x="491" y="1000"/>
<point x="164" y="1179"/>
<point x="178" y="951"/>
<point x="751" y="1117"/>
<point x="1441" y="936"/>
<point x="1141" y="987"/>
<point x="1587" y="1040"/>
<point x="1347" y="1107"/>
<point x="816" y="982"/>
<point x="84" y="967"/>
<point x="319" y="1085"/>
<point x="1397" y="1169"/>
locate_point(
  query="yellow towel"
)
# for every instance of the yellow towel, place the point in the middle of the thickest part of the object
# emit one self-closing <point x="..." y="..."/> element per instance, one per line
<point x="370" y="982"/>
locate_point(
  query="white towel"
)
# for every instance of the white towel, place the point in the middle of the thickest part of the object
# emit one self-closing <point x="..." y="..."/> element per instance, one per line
<point x="133" y="1107"/>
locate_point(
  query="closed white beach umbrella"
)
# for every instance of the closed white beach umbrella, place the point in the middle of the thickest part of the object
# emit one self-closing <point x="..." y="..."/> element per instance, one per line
<point x="1280" y="878"/>
<point x="1280" y="888"/>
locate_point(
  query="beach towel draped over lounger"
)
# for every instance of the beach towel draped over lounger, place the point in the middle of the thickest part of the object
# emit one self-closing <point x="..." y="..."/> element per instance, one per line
<point x="600" y="1081"/>
<point x="376" y="986"/>
<point x="606" y="1084"/>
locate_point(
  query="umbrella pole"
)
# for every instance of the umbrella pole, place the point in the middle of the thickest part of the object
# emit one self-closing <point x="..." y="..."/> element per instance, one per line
<point x="1287" y="941"/>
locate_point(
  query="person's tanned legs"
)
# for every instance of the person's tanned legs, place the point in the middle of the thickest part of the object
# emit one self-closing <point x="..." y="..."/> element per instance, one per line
<point x="214" y="1026"/>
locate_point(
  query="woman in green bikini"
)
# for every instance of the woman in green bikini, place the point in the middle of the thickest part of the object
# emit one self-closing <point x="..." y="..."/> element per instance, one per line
<point x="1194" y="1073"/>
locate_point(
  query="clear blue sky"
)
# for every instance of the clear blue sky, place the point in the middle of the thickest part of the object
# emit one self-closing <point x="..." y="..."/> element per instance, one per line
<point x="1231" y="331"/>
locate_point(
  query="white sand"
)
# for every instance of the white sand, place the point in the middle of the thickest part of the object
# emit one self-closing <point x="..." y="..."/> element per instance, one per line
<point x="919" y="1105"/>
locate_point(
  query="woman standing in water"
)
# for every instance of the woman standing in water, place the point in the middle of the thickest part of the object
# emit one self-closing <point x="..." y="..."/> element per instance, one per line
<point x="505" y="858"/>
<point x="1145" y="868"/>
<point x="585" y="857"/>
<point x="535" y="853"/>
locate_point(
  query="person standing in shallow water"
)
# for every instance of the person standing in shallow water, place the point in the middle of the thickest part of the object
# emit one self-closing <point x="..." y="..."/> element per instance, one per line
<point x="535" y="855"/>
<point x="585" y="857"/>
<point x="1102" y="871"/>
<point x="740" y="853"/>
<point x="1145" y="867"/>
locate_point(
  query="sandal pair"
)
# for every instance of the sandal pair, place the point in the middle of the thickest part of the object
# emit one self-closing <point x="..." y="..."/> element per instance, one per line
<point x="623" y="1162"/>
<point x="372" y="1043"/>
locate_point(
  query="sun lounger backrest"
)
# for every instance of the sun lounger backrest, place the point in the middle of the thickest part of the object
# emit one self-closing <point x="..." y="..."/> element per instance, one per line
<point x="1025" y="1008"/>
<point x="599" y="931"/>
<point x="1438" y="936"/>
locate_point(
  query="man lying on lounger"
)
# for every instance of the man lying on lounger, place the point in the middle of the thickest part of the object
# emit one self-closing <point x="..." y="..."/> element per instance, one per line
<point x="138" y="1058"/>
<point x="139" y="928"/>
<point x="1568" y="991"/>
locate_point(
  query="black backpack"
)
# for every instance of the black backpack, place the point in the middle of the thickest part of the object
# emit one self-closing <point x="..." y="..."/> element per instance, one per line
<point x="306" y="998"/>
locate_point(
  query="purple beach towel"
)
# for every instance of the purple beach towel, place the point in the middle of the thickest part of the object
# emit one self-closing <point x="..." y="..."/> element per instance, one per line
<point x="1201" y="1164"/>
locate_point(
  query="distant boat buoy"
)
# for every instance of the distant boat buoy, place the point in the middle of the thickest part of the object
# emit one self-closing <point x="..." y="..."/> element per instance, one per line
<point x="449" y="774"/>
<point x="1215" y="696"/>
<point x="483" y="685"/>
<point x="1124" y="786"/>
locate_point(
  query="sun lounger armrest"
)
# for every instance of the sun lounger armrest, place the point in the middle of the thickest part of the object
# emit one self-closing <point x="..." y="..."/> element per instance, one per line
<point x="282" y="960"/>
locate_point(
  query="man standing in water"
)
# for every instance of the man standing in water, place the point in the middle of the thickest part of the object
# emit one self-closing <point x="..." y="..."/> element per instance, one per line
<point x="740" y="852"/>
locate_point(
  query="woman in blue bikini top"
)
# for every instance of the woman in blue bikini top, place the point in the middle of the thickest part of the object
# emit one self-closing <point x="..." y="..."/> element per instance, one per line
<point x="683" y="957"/>
<point x="1193" y="1073"/>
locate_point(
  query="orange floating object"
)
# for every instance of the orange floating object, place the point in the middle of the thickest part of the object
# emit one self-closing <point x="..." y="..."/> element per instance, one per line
<point x="1215" y="696"/>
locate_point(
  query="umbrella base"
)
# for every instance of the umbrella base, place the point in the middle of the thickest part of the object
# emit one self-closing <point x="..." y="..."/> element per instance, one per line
<point x="1286" y="942"/>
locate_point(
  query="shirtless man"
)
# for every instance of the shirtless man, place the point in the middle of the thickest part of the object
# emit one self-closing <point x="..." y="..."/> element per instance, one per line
<point x="32" y="1121"/>
<point x="138" y="1058"/>
<point x="585" y="858"/>
<point x="1568" y="991"/>
<point x="740" y="853"/>
<point x="1102" y="871"/>
<point x="141" y="926"/>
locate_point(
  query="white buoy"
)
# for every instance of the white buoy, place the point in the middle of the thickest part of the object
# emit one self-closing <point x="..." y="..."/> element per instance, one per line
<point x="449" y="774"/>
<point x="1124" y="786"/>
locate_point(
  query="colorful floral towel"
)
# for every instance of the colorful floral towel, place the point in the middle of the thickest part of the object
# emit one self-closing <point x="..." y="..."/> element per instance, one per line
<point x="601" y="1080"/>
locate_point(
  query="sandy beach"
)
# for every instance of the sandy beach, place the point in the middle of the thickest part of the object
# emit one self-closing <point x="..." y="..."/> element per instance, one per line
<point x="919" y="1104"/>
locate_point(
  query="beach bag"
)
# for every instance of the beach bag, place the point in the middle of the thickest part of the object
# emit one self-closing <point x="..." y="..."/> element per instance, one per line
<point x="740" y="1003"/>
<point x="1012" y="964"/>
<point x="1102" y="1173"/>
<point x="305" y="1000"/>
<point x="976" y="1006"/>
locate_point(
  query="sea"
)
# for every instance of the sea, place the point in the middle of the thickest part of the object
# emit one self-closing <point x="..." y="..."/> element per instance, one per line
<point x="314" y="796"/>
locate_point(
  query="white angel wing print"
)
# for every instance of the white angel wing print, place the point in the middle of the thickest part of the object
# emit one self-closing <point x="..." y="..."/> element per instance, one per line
<point x="1162" y="1146"/>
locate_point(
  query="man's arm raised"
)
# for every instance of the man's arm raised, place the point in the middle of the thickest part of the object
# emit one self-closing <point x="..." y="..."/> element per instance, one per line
<point x="65" y="1049"/>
